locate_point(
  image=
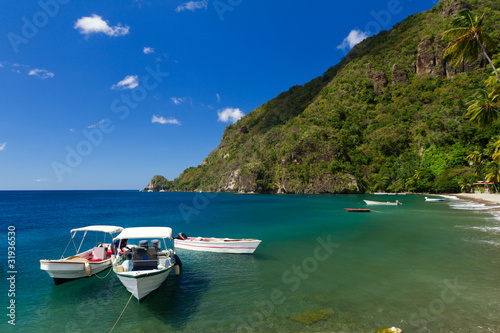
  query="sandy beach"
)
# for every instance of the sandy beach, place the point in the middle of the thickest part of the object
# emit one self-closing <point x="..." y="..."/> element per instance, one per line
<point x="491" y="201"/>
<point x="485" y="198"/>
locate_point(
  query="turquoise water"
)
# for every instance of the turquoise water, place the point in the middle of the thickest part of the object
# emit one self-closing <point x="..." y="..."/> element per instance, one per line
<point x="421" y="266"/>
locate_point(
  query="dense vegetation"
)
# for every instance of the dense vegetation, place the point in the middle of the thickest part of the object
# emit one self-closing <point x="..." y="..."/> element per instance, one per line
<point x="352" y="130"/>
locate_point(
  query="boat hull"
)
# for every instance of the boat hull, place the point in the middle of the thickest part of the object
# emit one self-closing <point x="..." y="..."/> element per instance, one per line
<point x="381" y="203"/>
<point x="142" y="283"/>
<point x="357" y="210"/>
<point x="62" y="271"/>
<point x="434" y="199"/>
<point x="218" y="245"/>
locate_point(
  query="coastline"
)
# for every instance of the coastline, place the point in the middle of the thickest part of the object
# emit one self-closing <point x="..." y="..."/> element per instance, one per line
<point x="485" y="198"/>
<point x="491" y="202"/>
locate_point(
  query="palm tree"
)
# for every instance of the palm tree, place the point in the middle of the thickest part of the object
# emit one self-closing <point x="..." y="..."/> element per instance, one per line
<point x="476" y="158"/>
<point x="484" y="107"/>
<point x="469" y="38"/>
<point x="496" y="152"/>
<point x="493" y="173"/>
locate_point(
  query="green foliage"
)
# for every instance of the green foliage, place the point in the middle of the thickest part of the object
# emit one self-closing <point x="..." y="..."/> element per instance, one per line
<point x="413" y="137"/>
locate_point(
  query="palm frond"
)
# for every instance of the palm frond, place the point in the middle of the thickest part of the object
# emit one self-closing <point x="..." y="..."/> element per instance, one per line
<point x="488" y="42"/>
<point x="483" y="109"/>
<point x="455" y="32"/>
<point x="464" y="18"/>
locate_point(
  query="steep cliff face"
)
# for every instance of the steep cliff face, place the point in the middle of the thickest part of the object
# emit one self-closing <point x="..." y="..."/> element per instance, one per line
<point x="365" y="125"/>
<point x="430" y="60"/>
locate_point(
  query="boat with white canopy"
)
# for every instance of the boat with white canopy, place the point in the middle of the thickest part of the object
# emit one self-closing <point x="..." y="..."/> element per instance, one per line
<point x="86" y="263"/>
<point x="145" y="265"/>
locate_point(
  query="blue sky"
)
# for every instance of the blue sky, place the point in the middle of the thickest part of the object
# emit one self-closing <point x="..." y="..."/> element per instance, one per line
<point x="107" y="94"/>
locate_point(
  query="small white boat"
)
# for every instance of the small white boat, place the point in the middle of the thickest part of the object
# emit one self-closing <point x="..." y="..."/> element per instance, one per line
<point x="386" y="203"/>
<point x="82" y="264"/>
<point x="219" y="245"/>
<point x="434" y="199"/>
<point x="144" y="267"/>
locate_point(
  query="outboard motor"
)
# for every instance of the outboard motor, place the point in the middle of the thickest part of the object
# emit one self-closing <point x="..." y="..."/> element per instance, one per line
<point x="177" y="265"/>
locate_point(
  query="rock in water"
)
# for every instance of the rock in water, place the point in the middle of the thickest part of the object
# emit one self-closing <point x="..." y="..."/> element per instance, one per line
<point x="310" y="317"/>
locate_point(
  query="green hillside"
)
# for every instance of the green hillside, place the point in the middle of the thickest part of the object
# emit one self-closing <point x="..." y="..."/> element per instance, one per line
<point x="389" y="117"/>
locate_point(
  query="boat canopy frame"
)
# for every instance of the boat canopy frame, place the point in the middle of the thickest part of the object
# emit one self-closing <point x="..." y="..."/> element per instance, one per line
<point x="146" y="232"/>
<point x="106" y="229"/>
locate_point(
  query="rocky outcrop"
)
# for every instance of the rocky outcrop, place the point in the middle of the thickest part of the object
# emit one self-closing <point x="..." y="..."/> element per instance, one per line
<point x="440" y="63"/>
<point x="399" y="74"/>
<point x="430" y="60"/>
<point x="230" y="184"/>
<point x="452" y="7"/>
<point x="329" y="183"/>
<point x="326" y="182"/>
<point x="426" y="58"/>
<point x="379" y="80"/>
<point x="157" y="183"/>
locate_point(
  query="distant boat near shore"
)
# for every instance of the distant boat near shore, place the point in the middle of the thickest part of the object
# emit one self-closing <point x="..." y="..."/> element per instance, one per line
<point x="433" y="199"/>
<point x="387" y="203"/>
<point x="357" y="210"/>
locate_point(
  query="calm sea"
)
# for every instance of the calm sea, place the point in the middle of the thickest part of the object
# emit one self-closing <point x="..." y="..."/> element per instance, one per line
<point x="420" y="266"/>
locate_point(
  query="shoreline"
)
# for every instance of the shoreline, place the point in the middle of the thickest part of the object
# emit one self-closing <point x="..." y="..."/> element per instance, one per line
<point x="490" y="201"/>
<point x="485" y="198"/>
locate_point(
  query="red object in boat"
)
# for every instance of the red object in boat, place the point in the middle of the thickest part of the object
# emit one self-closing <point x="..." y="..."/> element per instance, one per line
<point x="357" y="210"/>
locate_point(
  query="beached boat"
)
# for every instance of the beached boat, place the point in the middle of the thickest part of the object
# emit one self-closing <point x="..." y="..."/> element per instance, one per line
<point x="219" y="245"/>
<point x="434" y="199"/>
<point x="82" y="264"/>
<point x="145" y="266"/>
<point x="357" y="210"/>
<point x="386" y="203"/>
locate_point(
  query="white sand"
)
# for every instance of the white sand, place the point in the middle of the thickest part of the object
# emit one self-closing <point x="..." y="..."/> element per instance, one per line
<point x="486" y="198"/>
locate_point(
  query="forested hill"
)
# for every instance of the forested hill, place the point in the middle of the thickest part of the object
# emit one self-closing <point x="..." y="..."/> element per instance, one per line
<point x="389" y="117"/>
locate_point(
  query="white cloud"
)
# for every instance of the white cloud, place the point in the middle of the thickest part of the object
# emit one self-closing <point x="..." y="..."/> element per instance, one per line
<point x="178" y="101"/>
<point x="192" y="6"/>
<point x="41" y="180"/>
<point x="95" y="24"/>
<point x="163" y="121"/>
<point x="129" y="82"/>
<point x="2" y="146"/>
<point x="354" y="37"/>
<point x="1" y="65"/>
<point x="148" y="50"/>
<point x="218" y="98"/>
<point x="41" y="73"/>
<point x="72" y="130"/>
<point x="95" y="125"/>
<point x="230" y="114"/>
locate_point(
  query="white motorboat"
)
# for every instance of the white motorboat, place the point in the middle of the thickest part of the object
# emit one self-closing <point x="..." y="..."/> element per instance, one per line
<point x="434" y="199"/>
<point x="145" y="266"/>
<point x="219" y="245"/>
<point x="82" y="264"/>
<point x="386" y="203"/>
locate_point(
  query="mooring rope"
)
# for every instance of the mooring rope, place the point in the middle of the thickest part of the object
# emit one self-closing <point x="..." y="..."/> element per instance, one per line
<point x="123" y="310"/>
<point x="106" y="274"/>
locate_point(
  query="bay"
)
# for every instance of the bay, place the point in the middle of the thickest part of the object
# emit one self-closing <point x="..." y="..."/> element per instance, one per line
<point x="420" y="266"/>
